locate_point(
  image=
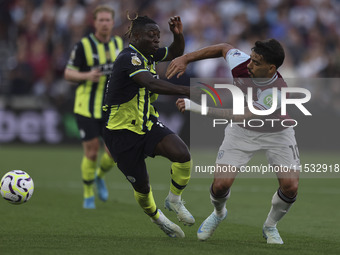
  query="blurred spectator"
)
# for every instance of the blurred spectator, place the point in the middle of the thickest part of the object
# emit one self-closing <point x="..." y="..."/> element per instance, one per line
<point x="5" y="20"/>
<point x="39" y="59"/>
<point x="46" y="31"/>
<point x="20" y="72"/>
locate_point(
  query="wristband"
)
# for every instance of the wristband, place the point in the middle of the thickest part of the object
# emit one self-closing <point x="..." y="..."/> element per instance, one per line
<point x="192" y="106"/>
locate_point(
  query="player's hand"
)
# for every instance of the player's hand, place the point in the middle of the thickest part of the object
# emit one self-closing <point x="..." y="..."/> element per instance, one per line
<point x="177" y="66"/>
<point x="94" y="75"/>
<point x="180" y="103"/>
<point x="175" y="25"/>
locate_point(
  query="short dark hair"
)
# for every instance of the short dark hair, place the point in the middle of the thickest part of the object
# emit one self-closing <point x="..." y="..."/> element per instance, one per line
<point x="271" y="50"/>
<point x="103" y="8"/>
<point x="137" y="23"/>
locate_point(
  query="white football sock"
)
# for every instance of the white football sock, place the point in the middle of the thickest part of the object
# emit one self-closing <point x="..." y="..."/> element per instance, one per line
<point x="174" y="198"/>
<point x="279" y="208"/>
<point x="160" y="220"/>
<point x="219" y="203"/>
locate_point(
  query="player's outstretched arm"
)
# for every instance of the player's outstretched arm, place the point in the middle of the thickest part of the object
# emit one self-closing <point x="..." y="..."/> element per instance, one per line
<point x="178" y="65"/>
<point x="176" y="49"/>
<point x="145" y="79"/>
<point x="76" y="76"/>
<point x="184" y="104"/>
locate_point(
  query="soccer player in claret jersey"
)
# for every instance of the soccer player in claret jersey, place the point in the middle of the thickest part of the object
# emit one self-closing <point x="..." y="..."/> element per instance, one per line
<point x="133" y="131"/>
<point x="259" y="71"/>
<point x="89" y="67"/>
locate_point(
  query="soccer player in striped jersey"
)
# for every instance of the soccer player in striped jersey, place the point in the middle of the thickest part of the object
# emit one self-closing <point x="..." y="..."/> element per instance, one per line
<point x="90" y="66"/>
<point x="133" y="130"/>
<point x="258" y="71"/>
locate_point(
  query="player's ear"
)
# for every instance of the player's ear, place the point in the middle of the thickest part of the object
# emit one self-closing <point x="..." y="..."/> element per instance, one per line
<point x="272" y="69"/>
<point x="136" y="36"/>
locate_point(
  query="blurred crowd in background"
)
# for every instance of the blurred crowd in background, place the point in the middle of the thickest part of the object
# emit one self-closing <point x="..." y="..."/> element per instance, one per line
<point x="37" y="36"/>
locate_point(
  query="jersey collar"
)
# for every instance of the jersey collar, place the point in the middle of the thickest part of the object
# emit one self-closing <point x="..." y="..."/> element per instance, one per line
<point x="135" y="49"/>
<point x="267" y="82"/>
<point x="96" y="41"/>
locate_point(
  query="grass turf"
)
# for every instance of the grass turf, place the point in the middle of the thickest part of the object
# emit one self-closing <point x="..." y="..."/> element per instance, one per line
<point x="53" y="221"/>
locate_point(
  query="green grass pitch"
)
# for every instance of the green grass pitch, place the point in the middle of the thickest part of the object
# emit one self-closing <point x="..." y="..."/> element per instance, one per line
<point x="53" y="221"/>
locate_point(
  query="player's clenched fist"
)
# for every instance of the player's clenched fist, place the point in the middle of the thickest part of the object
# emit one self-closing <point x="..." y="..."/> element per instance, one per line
<point x="180" y="103"/>
<point x="175" y="25"/>
<point x="94" y="75"/>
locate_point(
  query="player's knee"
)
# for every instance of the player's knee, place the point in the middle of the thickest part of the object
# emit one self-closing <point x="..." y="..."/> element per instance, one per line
<point x="290" y="189"/>
<point x="91" y="152"/>
<point x="182" y="155"/>
<point x="143" y="188"/>
<point x="91" y="148"/>
<point x="92" y="155"/>
<point x="185" y="157"/>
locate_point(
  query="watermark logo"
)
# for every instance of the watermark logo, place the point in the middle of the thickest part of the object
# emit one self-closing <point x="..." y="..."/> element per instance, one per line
<point x="271" y="100"/>
<point x="204" y="97"/>
<point x="277" y="99"/>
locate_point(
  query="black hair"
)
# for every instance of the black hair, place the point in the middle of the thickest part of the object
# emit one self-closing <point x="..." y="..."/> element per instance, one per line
<point x="137" y="23"/>
<point x="271" y="50"/>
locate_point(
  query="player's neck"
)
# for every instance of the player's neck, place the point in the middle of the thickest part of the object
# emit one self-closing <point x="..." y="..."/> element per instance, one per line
<point x="265" y="81"/>
<point x="102" y="38"/>
<point x="139" y="48"/>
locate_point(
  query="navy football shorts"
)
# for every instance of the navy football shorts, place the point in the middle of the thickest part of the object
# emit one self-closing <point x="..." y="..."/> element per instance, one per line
<point x="89" y="128"/>
<point x="129" y="150"/>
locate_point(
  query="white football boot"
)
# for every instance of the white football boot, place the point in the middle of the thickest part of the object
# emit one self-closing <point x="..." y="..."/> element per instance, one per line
<point x="272" y="235"/>
<point x="168" y="227"/>
<point x="183" y="215"/>
<point x="208" y="226"/>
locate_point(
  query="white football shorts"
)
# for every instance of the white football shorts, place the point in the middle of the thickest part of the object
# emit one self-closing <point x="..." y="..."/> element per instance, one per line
<point x="239" y="145"/>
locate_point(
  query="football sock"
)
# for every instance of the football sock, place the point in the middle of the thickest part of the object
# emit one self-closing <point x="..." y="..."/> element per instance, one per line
<point x="173" y="197"/>
<point x="147" y="202"/>
<point x="87" y="170"/>
<point x="219" y="202"/>
<point x="180" y="176"/>
<point x="105" y="164"/>
<point x="280" y="206"/>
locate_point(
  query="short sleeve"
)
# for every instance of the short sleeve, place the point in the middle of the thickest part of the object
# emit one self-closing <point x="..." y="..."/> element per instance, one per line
<point x="265" y="99"/>
<point x="77" y="58"/>
<point x="131" y="63"/>
<point x="236" y="57"/>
